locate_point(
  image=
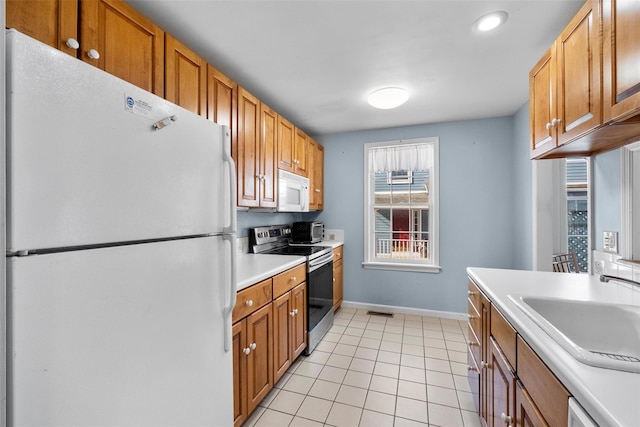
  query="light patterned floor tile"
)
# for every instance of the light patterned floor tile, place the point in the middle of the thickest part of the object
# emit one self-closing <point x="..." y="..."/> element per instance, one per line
<point x="415" y="350"/>
<point x="373" y="326"/>
<point x="436" y="353"/>
<point x="299" y="384"/>
<point x="389" y="357"/>
<point x="362" y="365"/>
<point x="337" y="329"/>
<point x="439" y="365"/>
<point x="458" y="368"/>
<point x="415" y="410"/>
<point x="325" y="346"/>
<point x="315" y="409"/>
<point x="380" y="402"/>
<point x="254" y="416"/>
<point x="366" y="353"/>
<point x="377" y="319"/>
<point x="344" y="415"/>
<point x="349" y="340"/>
<point x="412" y="390"/>
<point x="386" y="369"/>
<point x="273" y="418"/>
<point x="318" y="356"/>
<point x="416" y="332"/>
<point x="341" y="321"/>
<point x="330" y="373"/>
<point x="393" y="329"/>
<point x="412" y="361"/>
<point x="471" y="419"/>
<point x="452" y="336"/>
<point x="358" y="324"/>
<point x="413" y="340"/>
<point x="287" y="402"/>
<point x="391" y="346"/>
<point x="332" y="337"/>
<point x="457" y="346"/>
<point x="391" y="337"/>
<point x="442" y="396"/>
<point x="324" y="389"/>
<point x="403" y="422"/>
<point x="369" y="343"/>
<point x="339" y="361"/>
<point x="309" y="369"/>
<point x="356" y="332"/>
<point x="457" y="356"/>
<point x="461" y="383"/>
<point x="269" y="397"/>
<point x="435" y="343"/>
<point x="350" y="395"/>
<point x="440" y="379"/>
<point x="465" y="399"/>
<point x="375" y="419"/>
<point x="444" y="416"/>
<point x="376" y="335"/>
<point x="345" y="349"/>
<point x="357" y="379"/>
<point x="384" y="384"/>
<point x="303" y="422"/>
<point x="412" y="374"/>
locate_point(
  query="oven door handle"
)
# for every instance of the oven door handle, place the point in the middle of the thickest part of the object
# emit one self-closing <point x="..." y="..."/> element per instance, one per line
<point x="316" y="263"/>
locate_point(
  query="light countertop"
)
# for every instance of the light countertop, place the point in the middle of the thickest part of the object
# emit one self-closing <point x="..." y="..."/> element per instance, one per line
<point x="253" y="268"/>
<point x="611" y="397"/>
<point x="330" y="243"/>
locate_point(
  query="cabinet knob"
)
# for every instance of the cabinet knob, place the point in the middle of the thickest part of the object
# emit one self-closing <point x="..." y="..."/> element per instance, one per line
<point x="246" y="351"/>
<point x="506" y="419"/>
<point x="484" y="365"/>
<point x="291" y="313"/>
<point x="252" y="346"/>
<point x="471" y="344"/>
<point x="249" y="303"/>
<point x="293" y="279"/>
<point x="555" y="122"/>
<point x="470" y="293"/>
<point x="334" y="279"/>
<point x="72" y="43"/>
<point x="295" y="311"/>
<point x="93" y="54"/>
<point x="472" y="368"/>
<point x="548" y="126"/>
<point x="317" y="190"/>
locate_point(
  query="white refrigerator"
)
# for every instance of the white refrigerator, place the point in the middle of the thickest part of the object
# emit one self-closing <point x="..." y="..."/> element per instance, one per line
<point x="120" y="251"/>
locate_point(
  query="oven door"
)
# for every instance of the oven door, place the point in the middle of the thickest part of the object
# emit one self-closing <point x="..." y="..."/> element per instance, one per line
<point x="319" y="294"/>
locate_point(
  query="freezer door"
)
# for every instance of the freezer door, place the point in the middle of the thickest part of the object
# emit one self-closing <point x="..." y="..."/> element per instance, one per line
<point x="121" y="336"/>
<point x="87" y="166"/>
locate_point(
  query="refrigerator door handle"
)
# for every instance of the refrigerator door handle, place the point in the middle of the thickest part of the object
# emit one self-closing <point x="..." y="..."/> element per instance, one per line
<point x="226" y="153"/>
<point x="228" y="309"/>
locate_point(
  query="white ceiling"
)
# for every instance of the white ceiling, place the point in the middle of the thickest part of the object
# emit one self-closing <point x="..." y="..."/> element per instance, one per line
<point x="316" y="61"/>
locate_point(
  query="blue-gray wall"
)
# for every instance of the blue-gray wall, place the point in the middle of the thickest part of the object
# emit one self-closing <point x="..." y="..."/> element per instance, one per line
<point x="476" y="211"/>
<point x="607" y="204"/>
<point x="522" y="192"/>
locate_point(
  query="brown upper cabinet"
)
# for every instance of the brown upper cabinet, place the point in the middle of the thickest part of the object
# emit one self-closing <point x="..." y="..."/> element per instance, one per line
<point x="316" y="176"/>
<point x="565" y="85"/>
<point x="54" y="22"/>
<point x="621" y="57"/>
<point x="585" y="91"/>
<point x="301" y="153"/>
<point x="222" y="102"/>
<point x="112" y="36"/>
<point x="286" y="145"/>
<point x="186" y="77"/>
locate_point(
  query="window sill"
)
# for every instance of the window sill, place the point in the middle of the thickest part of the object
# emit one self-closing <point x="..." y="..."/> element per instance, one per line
<point x="422" y="268"/>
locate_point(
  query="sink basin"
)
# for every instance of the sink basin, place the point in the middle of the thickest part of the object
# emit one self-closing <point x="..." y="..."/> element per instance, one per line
<point x="597" y="334"/>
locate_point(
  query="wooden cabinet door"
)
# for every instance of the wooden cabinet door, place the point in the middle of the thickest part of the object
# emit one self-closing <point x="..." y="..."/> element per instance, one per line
<point x="239" y="347"/>
<point x="222" y="102"/>
<point x="313" y="202"/>
<point x="248" y="149"/>
<point x="301" y="153"/>
<point x="50" y="21"/>
<point x="286" y="145"/>
<point x="129" y="45"/>
<point x="579" y="96"/>
<point x="267" y="159"/>
<point x="318" y="172"/>
<point x="282" y="335"/>
<point x="337" y="284"/>
<point x="542" y="103"/>
<point x="485" y="320"/>
<point x="501" y="388"/>
<point x="621" y="59"/>
<point x="260" y="360"/>
<point x="527" y="415"/>
<point x="186" y="77"/>
<point x="298" y="320"/>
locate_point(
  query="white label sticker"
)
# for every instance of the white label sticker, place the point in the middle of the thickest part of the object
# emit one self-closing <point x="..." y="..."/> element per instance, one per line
<point x="137" y="106"/>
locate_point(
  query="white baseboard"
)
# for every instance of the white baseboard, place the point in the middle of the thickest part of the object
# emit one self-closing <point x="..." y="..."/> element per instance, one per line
<point x="405" y="310"/>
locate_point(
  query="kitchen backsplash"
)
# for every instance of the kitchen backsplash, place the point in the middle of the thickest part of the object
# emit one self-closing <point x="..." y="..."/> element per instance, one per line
<point x="613" y="265"/>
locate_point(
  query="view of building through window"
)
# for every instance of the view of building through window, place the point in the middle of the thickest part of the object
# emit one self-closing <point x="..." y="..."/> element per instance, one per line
<point x="401" y="203"/>
<point x="577" y="179"/>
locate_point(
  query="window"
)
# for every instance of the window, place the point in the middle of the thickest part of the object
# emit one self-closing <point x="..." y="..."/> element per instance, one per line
<point x="401" y="205"/>
<point x="577" y="181"/>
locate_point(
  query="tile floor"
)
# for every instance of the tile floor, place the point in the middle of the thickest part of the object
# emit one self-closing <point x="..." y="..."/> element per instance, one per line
<point x="376" y="371"/>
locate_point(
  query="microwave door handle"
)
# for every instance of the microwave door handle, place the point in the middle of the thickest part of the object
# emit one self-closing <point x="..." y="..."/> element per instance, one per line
<point x="305" y="197"/>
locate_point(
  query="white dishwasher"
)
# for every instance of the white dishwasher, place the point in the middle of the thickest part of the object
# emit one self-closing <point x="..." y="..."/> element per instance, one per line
<point x="578" y="417"/>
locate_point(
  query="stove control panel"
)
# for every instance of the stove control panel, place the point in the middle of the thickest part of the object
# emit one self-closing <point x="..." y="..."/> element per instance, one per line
<point x="269" y="235"/>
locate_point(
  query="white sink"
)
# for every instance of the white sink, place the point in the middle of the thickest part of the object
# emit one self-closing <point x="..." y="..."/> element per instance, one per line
<point x="597" y="334"/>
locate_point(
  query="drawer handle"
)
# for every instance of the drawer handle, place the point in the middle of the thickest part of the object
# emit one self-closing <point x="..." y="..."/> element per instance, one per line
<point x="293" y="279"/>
<point x="249" y="303"/>
<point x="334" y="280"/>
<point x="506" y="419"/>
<point x="470" y="293"/>
<point x="246" y="351"/>
<point x="471" y="317"/>
<point x="471" y="344"/>
<point x="472" y="368"/>
<point x="252" y="346"/>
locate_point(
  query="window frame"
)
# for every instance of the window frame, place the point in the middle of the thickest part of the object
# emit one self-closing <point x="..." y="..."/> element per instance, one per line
<point x="370" y="261"/>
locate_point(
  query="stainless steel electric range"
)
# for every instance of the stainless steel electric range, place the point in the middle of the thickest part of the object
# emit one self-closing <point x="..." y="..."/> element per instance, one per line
<point x="274" y="239"/>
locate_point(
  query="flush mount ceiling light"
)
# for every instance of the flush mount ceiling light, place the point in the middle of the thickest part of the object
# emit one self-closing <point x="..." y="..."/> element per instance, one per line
<point x="388" y="97"/>
<point x="490" y="21"/>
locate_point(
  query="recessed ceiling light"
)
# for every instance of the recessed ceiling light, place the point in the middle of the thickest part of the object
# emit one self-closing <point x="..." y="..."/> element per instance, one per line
<point x="388" y="97"/>
<point x="490" y="21"/>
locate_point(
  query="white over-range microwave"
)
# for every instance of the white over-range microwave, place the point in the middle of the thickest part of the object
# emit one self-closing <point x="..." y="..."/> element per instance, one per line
<point x="293" y="192"/>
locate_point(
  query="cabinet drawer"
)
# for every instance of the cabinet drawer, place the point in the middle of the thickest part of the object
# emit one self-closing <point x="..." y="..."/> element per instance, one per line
<point x="474" y="295"/>
<point x="505" y="336"/>
<point x="252" y="298"/>
<point x="337" y="253"/>
<point x="286" y="281"/>
<point x="549" y="395"/>
<point x="474" y="345"/>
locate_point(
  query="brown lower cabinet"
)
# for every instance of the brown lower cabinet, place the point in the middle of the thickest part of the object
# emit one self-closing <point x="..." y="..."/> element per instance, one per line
<point x="513" y="385"/>
<point x="269" y="333"/>
<point x="337" y="277"/>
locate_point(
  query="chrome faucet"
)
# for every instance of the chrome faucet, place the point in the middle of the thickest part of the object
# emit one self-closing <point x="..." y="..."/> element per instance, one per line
<point x="605" y="278"/>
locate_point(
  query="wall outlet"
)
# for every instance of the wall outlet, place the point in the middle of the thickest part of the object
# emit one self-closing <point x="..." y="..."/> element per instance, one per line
<point x="610" y="241"/>
<point x="598" y="268"/>
<point x="242" y="245"/>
